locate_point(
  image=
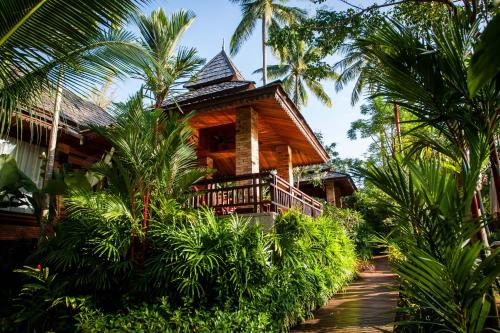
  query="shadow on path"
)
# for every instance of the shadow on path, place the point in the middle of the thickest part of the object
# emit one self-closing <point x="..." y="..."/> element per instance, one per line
<point x="365" y="306"/>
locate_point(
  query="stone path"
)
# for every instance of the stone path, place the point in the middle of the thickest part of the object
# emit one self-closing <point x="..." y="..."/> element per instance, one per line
<point x="364" y="306"/>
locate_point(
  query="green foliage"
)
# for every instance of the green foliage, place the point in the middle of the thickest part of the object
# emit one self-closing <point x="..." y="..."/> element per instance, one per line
<point x="210" y="260"/>
<point x="161" y="317"/>
<point x="485" y="65"/>
<point x="17" y="189"/>
<point x="37" y="38"/>
<point x="150" y="173"/>
<point x="275" y="12"/>
<point x="90" y="253"/>
<point x="163" y="65"/>
<point x="301" y="67"/>
<point x="41" y="300"/>
<point x="314" y="259"/>
<point x="452" y="293"/>
<point x="218" y="274"/>
<point x="446" y="282"/>
<point x="14" y="184"/>
<point x="361" y="231"/>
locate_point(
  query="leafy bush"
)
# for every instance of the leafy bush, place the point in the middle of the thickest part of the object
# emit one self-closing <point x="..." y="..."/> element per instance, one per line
<point x="362" y="232"/>
<point x="447" y="280"/>
<point x="218" y="274"/>
<point x="160" y="317"/>
<point x="209" y="259"/>
<point x="313" y="259"/>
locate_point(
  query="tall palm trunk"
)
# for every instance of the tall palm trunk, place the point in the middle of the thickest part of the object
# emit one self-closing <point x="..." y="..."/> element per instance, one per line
<point x="51" y="150"/>
<point x="296" y="95"/>
<point x="398" y="128"/>
<point x="264" y="37"/>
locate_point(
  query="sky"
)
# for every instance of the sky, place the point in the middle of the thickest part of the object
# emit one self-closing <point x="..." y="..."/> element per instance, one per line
<point x="216" y="21"/>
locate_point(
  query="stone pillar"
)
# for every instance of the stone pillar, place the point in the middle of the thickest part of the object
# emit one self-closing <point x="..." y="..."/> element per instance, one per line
<point x="247" y="141"/>
<point x="330" y="192"/>
<point x="285" y="166"/>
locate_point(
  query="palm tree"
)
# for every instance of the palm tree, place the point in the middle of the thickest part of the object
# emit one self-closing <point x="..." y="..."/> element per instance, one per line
<point x="146" y="173"/>
<point x="164" y="65"/>
<point x="379" y="127"/>
<point x="36" y="37"/>
<point x="104" y="53"/>
<point x="49" y="46"/>
<point x="299" y="69"/>
<point x="435" y="75"/>
<point x="428" y="77"/>
<point x="443" y="275"/>
<point x="270" y="12"/>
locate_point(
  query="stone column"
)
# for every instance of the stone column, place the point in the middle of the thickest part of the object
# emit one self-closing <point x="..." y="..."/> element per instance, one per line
<point x="285" y="166"/>
<point x="247" y="141"/>
<point x="247" y="155"/>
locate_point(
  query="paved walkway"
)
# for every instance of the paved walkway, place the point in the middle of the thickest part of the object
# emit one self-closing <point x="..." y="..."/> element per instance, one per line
<point x="364" y="307"/>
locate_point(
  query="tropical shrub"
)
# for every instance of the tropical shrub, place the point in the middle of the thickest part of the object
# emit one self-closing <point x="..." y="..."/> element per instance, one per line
<point x="361" y="231"/>
<point x="161" y="317"/>
<point x="447" y="281"/>
<point x="210" y="260"/>
<point x="202" y="273"/>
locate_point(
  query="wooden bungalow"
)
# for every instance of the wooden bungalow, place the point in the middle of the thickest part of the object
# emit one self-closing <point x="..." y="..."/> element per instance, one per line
<point x="77" y="148"/>
<point x="252" y="136"/>
<point x="334" y="187"/>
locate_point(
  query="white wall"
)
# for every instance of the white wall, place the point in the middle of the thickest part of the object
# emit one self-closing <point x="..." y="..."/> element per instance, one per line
<point x="28" y="160"/>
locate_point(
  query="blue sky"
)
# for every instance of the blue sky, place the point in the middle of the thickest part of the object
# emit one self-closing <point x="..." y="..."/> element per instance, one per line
<point x="216" y="20"/>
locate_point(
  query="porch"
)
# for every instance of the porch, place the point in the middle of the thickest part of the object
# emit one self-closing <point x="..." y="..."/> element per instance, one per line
<point x="264" y="192"/>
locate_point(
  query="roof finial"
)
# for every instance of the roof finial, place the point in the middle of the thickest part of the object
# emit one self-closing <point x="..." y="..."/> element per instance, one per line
<point x="223" y="45"/>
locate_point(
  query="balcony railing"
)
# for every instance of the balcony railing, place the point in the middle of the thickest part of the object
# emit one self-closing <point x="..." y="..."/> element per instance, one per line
<point x="253" y="193"/>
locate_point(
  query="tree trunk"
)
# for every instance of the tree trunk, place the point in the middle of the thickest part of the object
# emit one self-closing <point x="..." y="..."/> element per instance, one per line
<point x="296" y="97"/>
<point x="264" y="62"/>
<point x="51" y="150"/>
<point x="495" y="171"/>
<point x="398" y="128"/>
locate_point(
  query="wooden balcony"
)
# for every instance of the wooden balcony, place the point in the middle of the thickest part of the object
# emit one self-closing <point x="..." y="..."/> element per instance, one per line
<point x="253" y="193"/>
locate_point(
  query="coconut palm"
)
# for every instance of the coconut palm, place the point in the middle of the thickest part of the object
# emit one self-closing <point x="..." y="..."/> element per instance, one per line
<point x="36" y="37"/>
<point x="299" y="69"/>
<point x="49" y="46"/>
<point x="270" y="12"/>
<point x="428" y="77"/>
<point x="104" y="53"/>
<point x="148" y="167"/>
<point x="164" y="65"/>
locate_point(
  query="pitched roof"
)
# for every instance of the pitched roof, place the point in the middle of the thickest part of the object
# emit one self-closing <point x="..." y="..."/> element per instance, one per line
<point x="77" y="114"/>
<point x="219" y="69"/>
<point x="218" y="89"/>
<point x="327" y="173"/>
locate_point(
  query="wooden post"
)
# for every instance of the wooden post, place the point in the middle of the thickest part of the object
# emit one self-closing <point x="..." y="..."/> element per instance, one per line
<point x="330" y="192"/>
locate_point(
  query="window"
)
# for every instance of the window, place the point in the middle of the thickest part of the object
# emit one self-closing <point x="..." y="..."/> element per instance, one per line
<point x="28" y="160"/>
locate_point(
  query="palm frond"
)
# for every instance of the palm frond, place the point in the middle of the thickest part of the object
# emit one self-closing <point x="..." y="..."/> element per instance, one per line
<point x="246" y="26"/>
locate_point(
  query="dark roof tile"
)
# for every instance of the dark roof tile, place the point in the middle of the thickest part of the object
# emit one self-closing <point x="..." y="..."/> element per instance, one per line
<point x="206" y="92"/>
<point x="75" y="111"/>
<point x="219" y="69"/>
